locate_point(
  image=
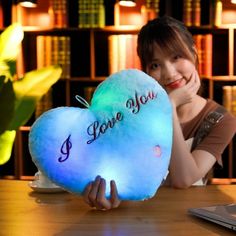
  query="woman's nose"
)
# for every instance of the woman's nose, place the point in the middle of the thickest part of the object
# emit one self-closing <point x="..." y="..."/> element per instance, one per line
<point x="168" y="72"/>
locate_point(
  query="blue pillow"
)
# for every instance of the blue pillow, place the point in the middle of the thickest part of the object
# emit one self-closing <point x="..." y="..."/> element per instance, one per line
<point x="124" y="135"/>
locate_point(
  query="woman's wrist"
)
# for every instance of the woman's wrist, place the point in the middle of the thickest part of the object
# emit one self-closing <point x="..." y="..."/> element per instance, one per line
<point x="173" y="103"/>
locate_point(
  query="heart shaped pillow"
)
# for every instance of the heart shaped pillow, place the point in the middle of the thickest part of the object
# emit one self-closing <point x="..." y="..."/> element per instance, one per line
<point x="125" y="135"/>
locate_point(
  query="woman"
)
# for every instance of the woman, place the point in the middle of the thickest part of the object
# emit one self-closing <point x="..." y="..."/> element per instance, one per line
<point x="168" y="54"/>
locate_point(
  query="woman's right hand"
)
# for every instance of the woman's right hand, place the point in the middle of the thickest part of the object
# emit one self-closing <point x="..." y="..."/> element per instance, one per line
<point x="94" y="194"/>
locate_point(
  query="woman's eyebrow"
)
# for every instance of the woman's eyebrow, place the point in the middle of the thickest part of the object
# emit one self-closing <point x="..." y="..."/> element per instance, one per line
<point x="155" y="60"/>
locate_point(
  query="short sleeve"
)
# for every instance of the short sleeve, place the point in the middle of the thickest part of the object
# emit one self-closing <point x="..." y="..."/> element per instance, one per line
<point x="219" y="137"/>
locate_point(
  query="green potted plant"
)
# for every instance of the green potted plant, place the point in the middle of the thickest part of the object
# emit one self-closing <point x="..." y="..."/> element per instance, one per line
<point x="18" y="96"/>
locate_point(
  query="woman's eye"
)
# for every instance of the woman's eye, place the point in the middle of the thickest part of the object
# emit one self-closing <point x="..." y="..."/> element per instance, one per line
<point x="176" y="57"/>
<point x="154" y="66"/>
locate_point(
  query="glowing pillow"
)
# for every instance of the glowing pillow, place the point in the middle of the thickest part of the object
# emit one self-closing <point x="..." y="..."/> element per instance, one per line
<point x="125" y="135"/>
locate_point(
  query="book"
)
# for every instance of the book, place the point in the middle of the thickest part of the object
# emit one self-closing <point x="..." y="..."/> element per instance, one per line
<point x="192" y="12"/>
<point x="187" y="12"/>
<point x="122" y="52"/>
<point x="150" y="10"/>
<point x="217" y="9"/>
<point x="204" y="48"/>
<point x="113" y="49"/>
<point x="58" y="13"/>
<point x="44" y="104"/>
<point x="233" y="106"/>
<point x="40" y="51"/>
<point x="196" y="13"/>
<point x="91" y="13"/>
<point x="60" y="54"/>
<point x="229" y="98"/>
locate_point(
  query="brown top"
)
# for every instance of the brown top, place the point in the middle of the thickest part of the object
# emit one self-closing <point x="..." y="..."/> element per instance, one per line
<point x="220" y="135"/>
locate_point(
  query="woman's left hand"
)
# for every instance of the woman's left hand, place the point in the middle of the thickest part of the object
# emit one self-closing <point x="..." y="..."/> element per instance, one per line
<point x="94" y="195"/>
<point x="186" y="93"/>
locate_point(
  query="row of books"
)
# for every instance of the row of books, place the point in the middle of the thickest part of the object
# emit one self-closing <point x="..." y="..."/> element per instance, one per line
<point x="58" y="13"/>
<point x="229" y="98"/>
<point x="150" y="10"/>
<point x="122" y="52"/>
<point x="91" y="13"/>
<point x="204" y="49"/>
<point x="44" y="104"/>
<point x="192" y="12"/>
<point x="52" y="50"/>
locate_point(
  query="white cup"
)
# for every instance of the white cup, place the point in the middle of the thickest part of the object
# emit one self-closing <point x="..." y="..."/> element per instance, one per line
<point x="43" y="181"/>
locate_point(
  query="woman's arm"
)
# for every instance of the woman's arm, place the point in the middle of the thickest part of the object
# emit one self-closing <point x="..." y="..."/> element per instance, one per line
<point x="185" y="167"/>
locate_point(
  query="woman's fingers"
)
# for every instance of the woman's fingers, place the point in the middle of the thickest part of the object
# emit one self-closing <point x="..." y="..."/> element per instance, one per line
<point x="86" y="194"/>
<point x="102" y="202"/>
<point x="95" y="194"/>
<point x="186" y="93"/>
<point x="193" y="84"/>
<point x="114" y="195"/>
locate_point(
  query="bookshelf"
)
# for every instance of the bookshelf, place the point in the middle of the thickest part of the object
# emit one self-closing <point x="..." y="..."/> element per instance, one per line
<point x="89" y="60"/>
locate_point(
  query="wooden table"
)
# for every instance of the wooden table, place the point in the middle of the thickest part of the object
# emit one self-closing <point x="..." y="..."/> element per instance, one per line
<point x="24" y="212"/>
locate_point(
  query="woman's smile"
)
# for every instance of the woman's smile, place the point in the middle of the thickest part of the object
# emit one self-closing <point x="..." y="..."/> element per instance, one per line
<point x="176" y="84"/>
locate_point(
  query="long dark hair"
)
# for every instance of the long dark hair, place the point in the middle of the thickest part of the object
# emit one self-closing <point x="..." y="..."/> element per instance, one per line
<point x="170" y="35"/>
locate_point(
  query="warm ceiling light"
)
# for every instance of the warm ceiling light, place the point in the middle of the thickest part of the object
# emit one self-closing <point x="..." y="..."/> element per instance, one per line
<point x="127" y="3"/>
<point x="233" y="1"/>
<point x="27" y="3"/>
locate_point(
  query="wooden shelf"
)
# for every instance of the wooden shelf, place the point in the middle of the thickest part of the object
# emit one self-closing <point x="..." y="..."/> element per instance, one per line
<point x="87" y="79"/>
<point x="111" y="29"/>
<point x="221" y="78"/>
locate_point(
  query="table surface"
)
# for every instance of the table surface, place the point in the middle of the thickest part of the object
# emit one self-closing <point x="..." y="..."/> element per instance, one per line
<point x="25" y="212"/>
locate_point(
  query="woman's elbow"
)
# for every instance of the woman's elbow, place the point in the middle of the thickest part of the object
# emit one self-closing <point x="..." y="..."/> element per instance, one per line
<point x="181" y="184"/>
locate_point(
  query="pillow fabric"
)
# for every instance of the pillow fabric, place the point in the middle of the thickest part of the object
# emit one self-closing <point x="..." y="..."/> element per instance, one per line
<point x="124" y="135"/>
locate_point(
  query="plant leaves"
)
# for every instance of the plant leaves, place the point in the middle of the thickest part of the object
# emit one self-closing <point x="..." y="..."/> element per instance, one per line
<point x="10" y="40"/>
<point x="29" y="90"/>
<point x="6" y="143"/>
<point x="7" y="99"/>
<point x="18" y="98"/>
<point x="11" y="65"/>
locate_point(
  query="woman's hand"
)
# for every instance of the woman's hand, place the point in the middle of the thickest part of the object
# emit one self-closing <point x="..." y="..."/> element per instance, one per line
<point x="94" y="195"/>
<point x="186" y="93"/>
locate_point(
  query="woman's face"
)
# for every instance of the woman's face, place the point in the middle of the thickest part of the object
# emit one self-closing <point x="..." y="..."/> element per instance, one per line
<point x="171" y="70"/>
